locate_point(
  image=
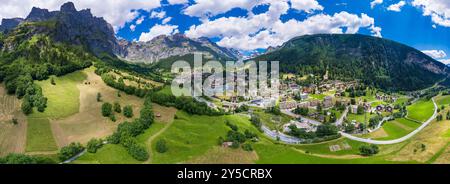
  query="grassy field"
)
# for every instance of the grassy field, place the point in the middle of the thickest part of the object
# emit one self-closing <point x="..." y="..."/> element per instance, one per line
<point x="108" y="154"/>
<point x="360" y="117"/>
<point x="192" y="136"/>
<point x="268" y="120"/>
<point x="398" y="128"/>
<point x="269" y="153"/>
<point x="88" y="122"/>
<point x="40" y="136"/>
<point x="324" y="148"/>
<point x="421" y="110"/>
<point x="443" y="100"/>
<point x="63" y="98"/>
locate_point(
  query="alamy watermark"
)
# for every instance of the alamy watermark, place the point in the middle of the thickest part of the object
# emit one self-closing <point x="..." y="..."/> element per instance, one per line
<point x="249" y="79"/>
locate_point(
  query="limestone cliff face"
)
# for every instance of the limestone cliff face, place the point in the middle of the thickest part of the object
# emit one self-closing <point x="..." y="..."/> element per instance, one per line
<point x="162" y="47"/>
<point x="70" y="26"/>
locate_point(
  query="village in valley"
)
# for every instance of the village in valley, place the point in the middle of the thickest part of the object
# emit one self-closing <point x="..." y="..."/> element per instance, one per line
<point x="305" y="103"/>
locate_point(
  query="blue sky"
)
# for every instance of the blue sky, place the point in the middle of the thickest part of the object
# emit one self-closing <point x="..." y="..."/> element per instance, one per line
<point x="407" y="24"/>
<point x="249" y="25"/>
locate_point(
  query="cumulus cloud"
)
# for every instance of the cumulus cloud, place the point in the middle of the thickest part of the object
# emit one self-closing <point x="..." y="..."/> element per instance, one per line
<point x="166" y="20"/>
<point x="158" y="30"/>
<point x="117" y="12"/>
<point x="158" y="14"/>
<point x="436" y="54"/>
<point x="375" y="2"/>
<point x="397" y="7"/>
<point x="208" y="8"/>
<point x="140" y="20"/>
<point x="173" y="2"/>
<point x="438" y="10"/>
<point x="264" y="30"/>
<point x="132" y="27"/>
<point x="306" y="5"/>
<point x="445" y="61"/>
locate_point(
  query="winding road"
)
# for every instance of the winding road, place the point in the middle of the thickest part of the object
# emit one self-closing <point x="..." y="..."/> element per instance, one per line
<point x="395" y="141"/>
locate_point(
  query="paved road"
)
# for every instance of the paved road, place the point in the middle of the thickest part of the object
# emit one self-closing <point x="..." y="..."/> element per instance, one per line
<point x="289" y="113"/>
<point x="341" y="119"/>
<point x="283" y="137"/>
<point x="406" y="137"/>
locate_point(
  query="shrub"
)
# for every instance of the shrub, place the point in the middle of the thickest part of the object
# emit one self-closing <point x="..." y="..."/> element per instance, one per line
<point x="52" y="81"/>
<point x="138" y="152"/>
<point x="106" y="109"/>
<point x="113" y="117"/>
<point x="26" y="107"/>
<point x="367" y="150"/>
<point x="14" y="121"/>
<point x="99" y="97"/>
<point x="93" y="145"/>
<point x="128" y="111"/>
<point x="247" y="147"/>
<point x="117" y="107"/>
<point x="70" y="151"/>
<point x="161" y="146"/>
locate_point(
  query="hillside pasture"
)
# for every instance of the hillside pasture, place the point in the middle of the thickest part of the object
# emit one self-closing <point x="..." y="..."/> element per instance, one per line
<point x="40" y="136"/>
<point x="88" y="122"/>
<point x="421" y="110"/>
<point x="396" y="129"/>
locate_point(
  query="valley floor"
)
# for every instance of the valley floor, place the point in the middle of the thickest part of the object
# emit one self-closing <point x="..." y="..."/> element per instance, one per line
<point x="193" y="138"/>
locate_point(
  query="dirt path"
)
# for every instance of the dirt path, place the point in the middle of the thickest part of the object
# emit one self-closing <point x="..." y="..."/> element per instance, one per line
<point x="153" y="137"/>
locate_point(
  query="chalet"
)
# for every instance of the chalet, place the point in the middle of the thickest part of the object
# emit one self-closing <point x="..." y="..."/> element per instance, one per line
<point x="288" y="105"/>
<point x="227" y="144"/>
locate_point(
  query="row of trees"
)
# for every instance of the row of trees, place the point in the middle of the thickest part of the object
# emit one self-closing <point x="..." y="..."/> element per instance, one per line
<point x="127" y="131"/>
<point x="324" y="132"/>
<point x="237" y="138"/>
<point x="15" y="158"/>
<point x="187" y="104"/>
<point x="108" y="110"/>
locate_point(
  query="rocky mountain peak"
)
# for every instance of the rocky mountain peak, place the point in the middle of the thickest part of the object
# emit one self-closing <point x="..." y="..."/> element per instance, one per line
<point x="68" y="7"/>
<point x="38" y="14"/>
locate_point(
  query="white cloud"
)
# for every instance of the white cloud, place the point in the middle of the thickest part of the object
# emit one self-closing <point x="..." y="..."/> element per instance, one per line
<point x="173" y="2"/>
<point x="397" y="7"/>
<point x="438" y="10"/>
<point x="140" y="20"/>
<point x="158" y="30"/>
<point x="264" y="30"/>
<point x="159" y="15"/>
<point x="306" y="5"/>
<point x="208" y="8"/>
<point x="436" y="54"/>
<point x="166" y="20"/>
<point x="116" y="12"/>
<point x="445" y="61"/>
<point x="132" y="27"/>
<point x="375" y="2"/>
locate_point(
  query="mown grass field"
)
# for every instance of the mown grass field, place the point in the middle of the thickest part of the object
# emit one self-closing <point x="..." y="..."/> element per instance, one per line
<point x="188" y="137"/>
<point x="398" y="128"/>
<point x="362" y="118"/>
<point x="108" y="154"/>
<point x="63" y="98"/>
<point x="40" y="136"/>
<point x="269" y="153"/>
<point x="421" y="110"/>
<point x="443" y="100"/>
